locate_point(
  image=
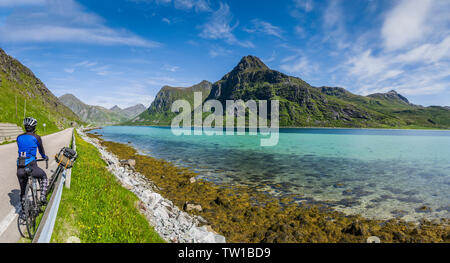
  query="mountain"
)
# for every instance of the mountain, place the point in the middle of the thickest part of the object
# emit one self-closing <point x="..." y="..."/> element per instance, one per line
<point x="18" y="83"/>
<point x="159" y="112"/>
<point x="129" y="112"/>
<point x="302" y="105"/>
<point x="91" y="114"/>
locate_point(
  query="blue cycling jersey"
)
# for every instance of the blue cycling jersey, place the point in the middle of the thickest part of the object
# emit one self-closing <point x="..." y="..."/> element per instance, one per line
<point x="28" y="143"/>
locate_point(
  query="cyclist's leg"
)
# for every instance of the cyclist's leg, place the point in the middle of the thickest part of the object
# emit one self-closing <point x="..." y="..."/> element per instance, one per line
<point x="23" y="179"/>
<point x="43" y="182"/>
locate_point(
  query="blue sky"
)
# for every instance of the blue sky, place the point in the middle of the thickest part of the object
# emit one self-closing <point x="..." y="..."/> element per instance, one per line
<point x="122" y="52"/>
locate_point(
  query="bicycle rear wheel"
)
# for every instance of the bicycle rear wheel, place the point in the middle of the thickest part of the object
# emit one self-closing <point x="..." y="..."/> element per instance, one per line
<point x="30" y="209"/>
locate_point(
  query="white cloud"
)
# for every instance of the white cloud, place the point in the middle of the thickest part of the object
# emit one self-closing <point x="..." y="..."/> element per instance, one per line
<point x="171" y="68"/>
<point x="166" y="20"/>
<point x="299" y="65"/>
<point x="306" y="5"/>
<point x="219" y="26"/>
<point x="414" y="55"/>
<point x="197" y="5"/>
<point x="264" y="27"/>
<point x="69" y="70"/>
<point x="423" y="70"/>
<point x="427" y="53"/>
<point x="334" y="29"/>
<point x="64" y="21"/>
<point x="217" y="51"/>
<point x="406" y="23"/>
<point x="187" y="5"/>
<point x="11" y="3"/>
<point x="86" y="63"/>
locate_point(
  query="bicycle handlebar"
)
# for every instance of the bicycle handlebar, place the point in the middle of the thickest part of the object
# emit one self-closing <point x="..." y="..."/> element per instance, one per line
<point x="46" y="162"/>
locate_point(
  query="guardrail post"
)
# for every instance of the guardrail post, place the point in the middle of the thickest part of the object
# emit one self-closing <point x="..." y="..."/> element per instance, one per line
<point x="69" y="172"/>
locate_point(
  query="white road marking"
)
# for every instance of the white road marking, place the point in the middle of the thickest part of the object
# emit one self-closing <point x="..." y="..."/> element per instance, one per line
<point x="12" y="215"/>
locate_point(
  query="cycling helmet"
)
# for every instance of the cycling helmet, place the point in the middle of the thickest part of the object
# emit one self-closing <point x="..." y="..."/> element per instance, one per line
<point x="30" y="124"/>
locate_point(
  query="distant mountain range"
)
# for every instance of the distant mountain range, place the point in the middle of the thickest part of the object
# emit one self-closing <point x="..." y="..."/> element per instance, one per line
<point x="100" y="115"/>
<point x="301" y="105"/>
<point x="19" y="84"/>
<point x="129" y="112"/>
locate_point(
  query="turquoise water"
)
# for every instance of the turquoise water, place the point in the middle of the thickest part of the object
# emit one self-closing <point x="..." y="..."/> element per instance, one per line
<point x="376" y="173"/>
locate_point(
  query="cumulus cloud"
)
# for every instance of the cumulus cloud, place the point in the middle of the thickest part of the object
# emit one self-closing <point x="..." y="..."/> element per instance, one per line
<point x="421" y="70"/>
<point x="410" y="53"/>
<point x="64" y="21"/>
<point x="406" y="23"/>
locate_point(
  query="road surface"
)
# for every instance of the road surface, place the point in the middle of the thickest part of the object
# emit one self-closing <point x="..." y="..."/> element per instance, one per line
<point x="9" y="185"/>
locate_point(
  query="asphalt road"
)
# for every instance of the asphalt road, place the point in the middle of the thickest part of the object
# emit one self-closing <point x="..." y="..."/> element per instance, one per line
<point x="9" y="185"/>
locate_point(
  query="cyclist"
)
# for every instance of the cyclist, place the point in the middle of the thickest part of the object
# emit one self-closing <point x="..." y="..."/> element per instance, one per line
<point x="28" y="143"/>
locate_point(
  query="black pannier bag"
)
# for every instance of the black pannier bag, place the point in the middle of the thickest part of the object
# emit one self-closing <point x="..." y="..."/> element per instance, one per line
<point x="66" y="157"/>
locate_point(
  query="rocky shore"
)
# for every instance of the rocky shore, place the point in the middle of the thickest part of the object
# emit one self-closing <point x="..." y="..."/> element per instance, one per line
<point x="172" y="224"/>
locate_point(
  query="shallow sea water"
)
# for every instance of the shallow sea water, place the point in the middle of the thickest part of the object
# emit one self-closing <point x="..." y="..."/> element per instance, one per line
<point x="376" y="173"/>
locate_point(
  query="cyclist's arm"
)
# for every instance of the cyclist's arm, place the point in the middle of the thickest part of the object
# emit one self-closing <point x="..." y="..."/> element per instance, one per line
<point x="41" y="146"/>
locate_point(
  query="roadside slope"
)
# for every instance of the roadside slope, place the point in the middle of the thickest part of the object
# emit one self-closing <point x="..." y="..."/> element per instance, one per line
<point x="97" y="209"/>
<point x="18" y="83"/>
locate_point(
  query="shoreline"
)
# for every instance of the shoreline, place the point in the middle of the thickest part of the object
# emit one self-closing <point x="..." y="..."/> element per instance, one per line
<point x="172" y="224"/>
<point x="302" y="127"/>
<point x="275" y="220"/>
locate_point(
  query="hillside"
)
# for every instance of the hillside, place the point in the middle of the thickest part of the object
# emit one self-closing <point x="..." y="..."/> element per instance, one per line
<point x="91" y="114"/>
<point x="17" y="82"/>
<point x="159" y="112"/>
<point x="302" y="105"/>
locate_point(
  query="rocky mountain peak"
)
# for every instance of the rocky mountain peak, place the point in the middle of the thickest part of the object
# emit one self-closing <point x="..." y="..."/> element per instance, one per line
<point x="391" y="95"/>
<point x="115" y="108"/>
<point x="250" y="63"/>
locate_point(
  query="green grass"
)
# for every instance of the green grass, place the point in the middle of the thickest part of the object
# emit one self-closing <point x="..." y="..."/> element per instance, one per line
<point x="97" y="209"/>
<point x="7" y="142"/>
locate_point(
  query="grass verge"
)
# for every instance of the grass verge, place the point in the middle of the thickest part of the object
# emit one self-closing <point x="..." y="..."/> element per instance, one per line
<point x="97" y="209"/>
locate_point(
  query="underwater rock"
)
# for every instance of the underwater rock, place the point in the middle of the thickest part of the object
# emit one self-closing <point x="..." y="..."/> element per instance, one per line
<point x="339" y="185"/>
<point x="423" y="209"/>
<point x="347" y="192"/>
<point x="189" y="207"/>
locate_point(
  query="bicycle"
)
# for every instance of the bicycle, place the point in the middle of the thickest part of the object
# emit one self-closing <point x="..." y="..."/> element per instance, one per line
<point x="31" y="201"/>
<point x="32" y="206"/>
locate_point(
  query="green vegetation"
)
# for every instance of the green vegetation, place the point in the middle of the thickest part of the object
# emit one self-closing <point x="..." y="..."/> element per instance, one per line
<point x="97" y="208"/>
<point x="17" y="82"/>
<point x="302" y="105"/>
<point x="7" y="142"/>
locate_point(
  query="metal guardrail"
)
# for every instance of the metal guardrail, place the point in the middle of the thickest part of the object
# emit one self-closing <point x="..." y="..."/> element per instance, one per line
<point x="45" y="229"/>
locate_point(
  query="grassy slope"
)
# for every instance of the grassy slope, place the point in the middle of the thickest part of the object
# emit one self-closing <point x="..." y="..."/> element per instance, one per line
<point x="97" y="208"/>
<point x="44" y="107"/>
